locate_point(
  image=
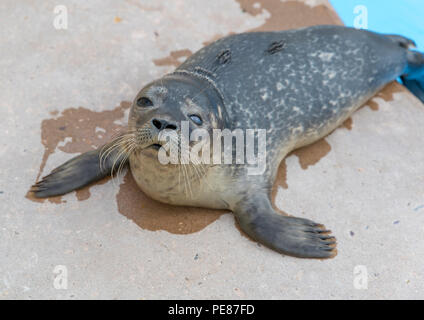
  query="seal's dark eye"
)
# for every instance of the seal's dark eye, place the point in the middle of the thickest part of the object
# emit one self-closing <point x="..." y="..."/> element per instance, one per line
<point x="144" y="102"/>
<point x="196" y="119"/>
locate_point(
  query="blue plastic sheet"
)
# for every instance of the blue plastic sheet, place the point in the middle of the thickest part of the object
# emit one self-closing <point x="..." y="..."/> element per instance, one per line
<point x="404" y="17"/>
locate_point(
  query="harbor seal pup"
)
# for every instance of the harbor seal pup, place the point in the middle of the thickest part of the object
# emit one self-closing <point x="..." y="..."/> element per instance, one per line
<point x="298" y="85"/>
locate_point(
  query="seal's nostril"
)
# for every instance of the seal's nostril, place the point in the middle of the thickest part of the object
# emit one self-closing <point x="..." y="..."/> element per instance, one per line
<point x="163" y="124"/>
<point x="157" y="123"/>
<point x="171" y="127"/>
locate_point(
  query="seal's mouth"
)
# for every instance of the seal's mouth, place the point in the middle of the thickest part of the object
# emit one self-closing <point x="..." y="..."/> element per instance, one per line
<point x="146" y="139"/>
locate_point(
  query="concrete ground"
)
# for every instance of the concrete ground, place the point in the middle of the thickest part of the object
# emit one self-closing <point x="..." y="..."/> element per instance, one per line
<point x="65" y="91"/>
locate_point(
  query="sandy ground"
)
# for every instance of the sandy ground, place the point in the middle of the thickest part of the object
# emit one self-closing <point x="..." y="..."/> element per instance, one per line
<point x="65" y="91"/>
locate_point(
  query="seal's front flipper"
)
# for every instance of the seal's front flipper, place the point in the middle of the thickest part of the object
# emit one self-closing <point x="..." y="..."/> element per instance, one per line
<point x="78" y="172"/>
<point x="289" y="235"/>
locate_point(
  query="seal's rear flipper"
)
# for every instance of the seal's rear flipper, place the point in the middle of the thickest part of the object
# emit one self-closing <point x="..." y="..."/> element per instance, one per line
<point x="77" y="173"/>
<point x="402" y="41"/>
<point x="415" y="86"/>
<point x="413" y="78"/>
<point x="289" y="235"/>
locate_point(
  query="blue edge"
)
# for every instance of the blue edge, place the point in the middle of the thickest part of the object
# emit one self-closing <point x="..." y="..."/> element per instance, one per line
<point x="404" y="17"/>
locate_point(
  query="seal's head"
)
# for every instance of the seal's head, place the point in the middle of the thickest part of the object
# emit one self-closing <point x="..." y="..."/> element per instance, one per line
<point x="170" y="120"/>
<point x="170" y="103"/>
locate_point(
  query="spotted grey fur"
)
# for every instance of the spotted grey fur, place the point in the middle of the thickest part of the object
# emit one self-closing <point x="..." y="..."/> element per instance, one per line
<point x="299" y="85"/>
